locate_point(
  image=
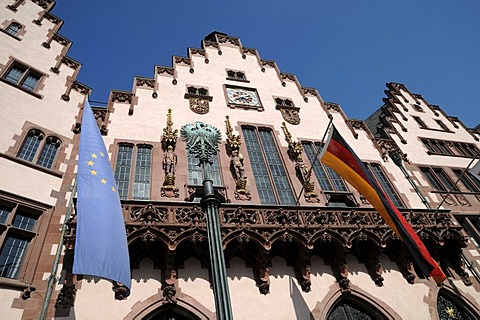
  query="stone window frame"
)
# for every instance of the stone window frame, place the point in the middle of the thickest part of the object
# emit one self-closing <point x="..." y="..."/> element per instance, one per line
<point x="449" y="148"/>
<point x="437" y="185"/>
<point x="420" y="122"/>
<point x="20" y="32"/>
<point x="392" y="186"/>
<point x="28" y="70"/>
<point x="278" y="200"/>
<point x="196" y="91"/>
<point x="468" y="180"/>
<point x="36" y="237"/>
<point x="236" y="75"/>
<point x="334" y="195"/>
<point x="13" y="151"/>
<point x="131" y="180"/>
<point x="442" y="125"/>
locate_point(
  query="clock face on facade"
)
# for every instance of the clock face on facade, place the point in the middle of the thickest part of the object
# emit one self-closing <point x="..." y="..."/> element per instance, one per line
<point x="242" y="96"/>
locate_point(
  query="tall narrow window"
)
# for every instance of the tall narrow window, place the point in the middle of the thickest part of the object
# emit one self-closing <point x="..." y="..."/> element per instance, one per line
<point x="329" y="180"/>
<point x="122" y="169"/>
<point x="141" y="185"/>
<point x="345" y="310"/>
<point x="133" y="182"/>
<point x="387" y="187"/>
<point x="49" y="152"/>
<point x="11" y="256"/>
<point x="30" y="145"/>
<point x="195" y="175"/>
<point x="18" y="223"/>
<point x="268" y="170"/>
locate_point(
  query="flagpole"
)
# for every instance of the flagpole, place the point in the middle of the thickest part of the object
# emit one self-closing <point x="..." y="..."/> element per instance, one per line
<point x="53" y="275"/>
<point x="314" y="159"/>
<point x="459" y="178"/>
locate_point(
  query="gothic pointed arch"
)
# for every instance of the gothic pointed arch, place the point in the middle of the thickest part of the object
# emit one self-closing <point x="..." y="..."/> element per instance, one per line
<point x="357" y="304"/>
<point x="156" y="307"/>
<point x="453" y="305"/>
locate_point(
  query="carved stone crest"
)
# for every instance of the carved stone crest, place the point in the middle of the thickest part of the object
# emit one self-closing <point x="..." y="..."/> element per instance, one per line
<point x="199" y="105"/>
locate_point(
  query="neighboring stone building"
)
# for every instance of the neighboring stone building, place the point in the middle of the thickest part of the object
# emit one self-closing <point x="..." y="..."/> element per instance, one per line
<point x="330" y="256"/>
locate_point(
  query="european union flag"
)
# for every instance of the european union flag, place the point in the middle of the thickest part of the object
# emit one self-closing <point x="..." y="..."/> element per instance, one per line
<point x="101" y="242"/>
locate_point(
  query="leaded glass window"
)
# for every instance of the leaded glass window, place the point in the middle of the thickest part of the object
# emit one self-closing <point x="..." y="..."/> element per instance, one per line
<point x="270" y="176"/>
<point x="23" y="76"/>
<point x="328" y="179"/>
<point x="30" y="145"/>
<point x="438" y="179"/>
<point x="11" y="255"/>
<point x="13" y="28"/>
<point x="387" y="187"/>
<point x="133" y="181"/>
<point x="195" y="174"/>
<point x="49" y="152"/>
<point x="19" y="228"/>
<point x="141" y="185"/>
<point x="4" y="212"/>
<point x="122" y="169"/>
<point x="24" y="221"/>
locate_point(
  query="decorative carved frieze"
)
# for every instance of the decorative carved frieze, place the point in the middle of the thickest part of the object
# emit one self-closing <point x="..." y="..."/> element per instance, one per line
<point x="145" y="82"/>
<point x="200" y="52"/>
<point x="165" y="70"/>
<point x="309" y="91"/>
<point x="122" y="97"/>
<point x="332" y="107"/>
<point x="80" y="87"/>
<point x="53" y="19"/>
<point x="288" y="76"/>
<point x="268" y="63"/>
<point x="249" y="51"/>
<point x="182" y="60"/>
<point x="331" y="232"/>
<point x="60" y="39"/>
<point x="228" y="39"/>
<point x="70" y="63"/>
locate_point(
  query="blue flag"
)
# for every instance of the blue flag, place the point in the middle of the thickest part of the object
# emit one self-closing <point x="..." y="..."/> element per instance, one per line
<point x="101" y="242"/>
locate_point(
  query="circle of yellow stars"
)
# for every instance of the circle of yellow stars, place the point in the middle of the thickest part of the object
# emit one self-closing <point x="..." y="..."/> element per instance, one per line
<point x="93" y="172"/>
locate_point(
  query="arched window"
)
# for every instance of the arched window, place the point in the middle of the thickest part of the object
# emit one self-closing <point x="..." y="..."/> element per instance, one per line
<point x="36" y="141"/>
<point x="49" y="152"/>
<point x="449" y="308"/>
<point x="30" y="145"/>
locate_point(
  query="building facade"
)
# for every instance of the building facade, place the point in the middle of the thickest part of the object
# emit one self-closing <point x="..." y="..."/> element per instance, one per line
<point x="297" y="244"/>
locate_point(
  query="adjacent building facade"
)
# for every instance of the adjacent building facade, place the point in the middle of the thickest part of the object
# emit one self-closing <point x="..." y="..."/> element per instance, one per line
<point x="297" y="244"/>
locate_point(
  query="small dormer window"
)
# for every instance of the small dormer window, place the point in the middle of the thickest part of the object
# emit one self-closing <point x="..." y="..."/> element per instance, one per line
<point x="192" y="90"/>
<point x="284" y="102"/>
<point x="236" y="75"/>
<point x="202" y="91"/>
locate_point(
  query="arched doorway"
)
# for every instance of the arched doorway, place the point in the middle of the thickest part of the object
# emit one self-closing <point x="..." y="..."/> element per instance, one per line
<point x="171" y="312"/>
<point x="349" y="309"/>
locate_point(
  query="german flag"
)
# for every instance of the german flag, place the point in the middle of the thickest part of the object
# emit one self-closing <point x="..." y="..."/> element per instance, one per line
<point x="342" y="159"/>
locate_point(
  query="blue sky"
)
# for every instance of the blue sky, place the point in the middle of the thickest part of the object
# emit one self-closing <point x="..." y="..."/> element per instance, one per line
<point x="347" y="50"/>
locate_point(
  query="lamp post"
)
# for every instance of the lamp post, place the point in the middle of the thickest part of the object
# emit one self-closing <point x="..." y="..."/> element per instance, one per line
<point x="202" y="141"/>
